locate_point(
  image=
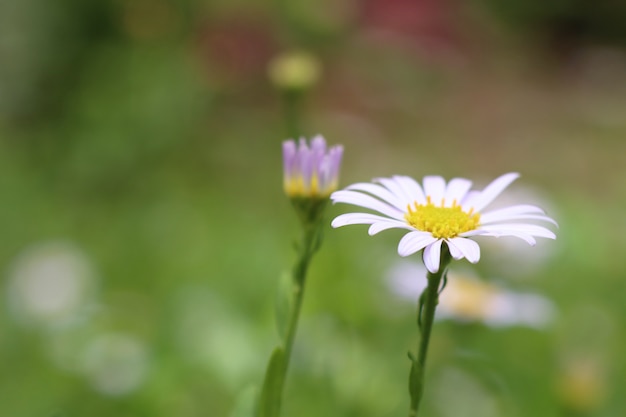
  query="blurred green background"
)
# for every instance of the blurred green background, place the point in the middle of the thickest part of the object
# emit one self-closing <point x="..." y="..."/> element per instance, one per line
<point x="143" y="225"/>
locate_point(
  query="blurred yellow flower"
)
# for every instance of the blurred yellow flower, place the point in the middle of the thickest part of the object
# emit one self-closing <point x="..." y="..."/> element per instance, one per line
<point x="294" y="70"/>
<point x="582" y="385"/>
<point x="467" y="298"/>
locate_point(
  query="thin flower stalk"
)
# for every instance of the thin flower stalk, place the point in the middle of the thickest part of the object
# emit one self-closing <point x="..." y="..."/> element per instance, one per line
<point x="273" y="384"/>
<point x="294" y="73"/>
<point x="310" y="176"/>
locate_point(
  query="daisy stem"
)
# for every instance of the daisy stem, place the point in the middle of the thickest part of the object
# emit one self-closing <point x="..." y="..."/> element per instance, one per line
<point x="425" y="315"/>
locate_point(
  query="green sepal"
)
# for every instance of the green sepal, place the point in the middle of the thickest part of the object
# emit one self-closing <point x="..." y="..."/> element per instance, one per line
<point x="245" y="403"/>
<point x="284" y="304"/>
<point x="310" y="210"/>
<point x="269" y="401"/>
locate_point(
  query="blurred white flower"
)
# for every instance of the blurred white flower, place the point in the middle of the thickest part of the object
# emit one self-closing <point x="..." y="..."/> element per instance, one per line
<point x="50" y="283"/>
<point x="467" y="298"/>
<point x="455" y="389"/>
<point x="115" y="364"/>
<point x="213" y="335"/>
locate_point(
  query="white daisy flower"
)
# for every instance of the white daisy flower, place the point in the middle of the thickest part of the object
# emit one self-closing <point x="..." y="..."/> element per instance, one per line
<point x="436" y="212"/>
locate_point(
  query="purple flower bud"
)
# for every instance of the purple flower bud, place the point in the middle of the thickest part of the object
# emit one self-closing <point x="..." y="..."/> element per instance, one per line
<point x="311" y="171"/>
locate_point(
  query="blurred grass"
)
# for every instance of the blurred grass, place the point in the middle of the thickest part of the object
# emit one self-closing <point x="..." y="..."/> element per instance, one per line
<point x="157" y="154"/>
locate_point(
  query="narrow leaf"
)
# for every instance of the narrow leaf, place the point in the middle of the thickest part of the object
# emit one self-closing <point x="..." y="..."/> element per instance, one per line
<point x="269" y="401"/>
<point x="416" y="382"/>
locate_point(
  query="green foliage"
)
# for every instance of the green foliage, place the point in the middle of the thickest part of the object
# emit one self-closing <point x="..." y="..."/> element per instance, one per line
<point x="245" y="405"/>
<point x="146" y="146"/>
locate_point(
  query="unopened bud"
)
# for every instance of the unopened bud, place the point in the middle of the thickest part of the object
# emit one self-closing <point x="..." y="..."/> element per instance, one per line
<point x="294" y="70"/>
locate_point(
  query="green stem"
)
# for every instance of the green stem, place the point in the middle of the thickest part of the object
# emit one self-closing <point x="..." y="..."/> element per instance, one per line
<point x="292" y="102"/>
<point x="273" y="384"/>
<point x="310" y="244"/>
<point x="425" y="317"/>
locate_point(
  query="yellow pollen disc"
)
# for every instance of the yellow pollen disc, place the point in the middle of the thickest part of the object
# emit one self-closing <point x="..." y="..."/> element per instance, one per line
<point x="442" y="222"/>
<point x="295" y="186"/>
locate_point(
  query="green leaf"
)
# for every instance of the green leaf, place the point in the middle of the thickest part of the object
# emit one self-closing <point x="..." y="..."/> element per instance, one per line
<point x="269" y="402"/>
<point x="413" y="381"/>
<point x="416" y="383"/>
<point x="245" y="403"/>
<point x="284" y="304"/>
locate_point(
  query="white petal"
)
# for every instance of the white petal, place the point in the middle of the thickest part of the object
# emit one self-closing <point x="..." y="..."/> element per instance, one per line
<point x="388" y="224"/>
<point x="529" y="229"/>
<point x="517" y="209"/>
<point x="470" y="196"/>
<point x="396" y="189"/>
<point x="469" y="248"/>
<point x="511" y="210"/>
<point x="480" y="201"/>
<point x="366" y="201"/>
<point x="380" y="192"/>
<point x="411" y="188"/>
<point x="432" y="255"/>
<point x="508" y="217"/>
<point x="413" y="242"/>
<point x="524" y="236"/>
<point x="356" y="218"/>
<point x="435" y="188"/>
<point x="475" y="232"/>
<point x="456" y="190"/>
<point x="455" y="252"/>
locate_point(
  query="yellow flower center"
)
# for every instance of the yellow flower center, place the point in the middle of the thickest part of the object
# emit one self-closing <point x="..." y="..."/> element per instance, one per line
<point x="296" y="187"/>
<point x="442" y="222"/>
